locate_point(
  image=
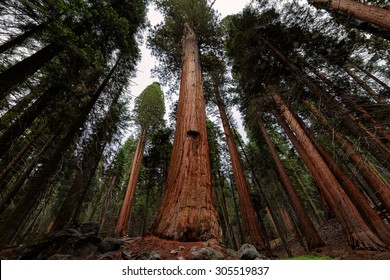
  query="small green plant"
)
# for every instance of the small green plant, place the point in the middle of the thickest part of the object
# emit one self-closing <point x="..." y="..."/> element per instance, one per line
<point x="310" y="257"/>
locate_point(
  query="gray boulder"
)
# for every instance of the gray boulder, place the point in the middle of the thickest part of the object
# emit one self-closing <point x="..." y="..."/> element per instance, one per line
<point x="247" y="252"/>
<point x="207" y="254"/>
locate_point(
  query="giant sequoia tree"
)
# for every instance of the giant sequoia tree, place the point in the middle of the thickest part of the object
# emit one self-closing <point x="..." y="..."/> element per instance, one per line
<point x="149" y="110"/>
<point x="187" y="211"/>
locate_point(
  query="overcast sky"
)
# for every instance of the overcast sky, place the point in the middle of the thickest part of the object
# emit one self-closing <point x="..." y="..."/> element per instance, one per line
<point x="143" y="78"/>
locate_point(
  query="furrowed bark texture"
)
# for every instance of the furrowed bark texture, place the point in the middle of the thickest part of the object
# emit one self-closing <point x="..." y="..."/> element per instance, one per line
<point x="188" y="212"/>
<point x="369" y="13"/>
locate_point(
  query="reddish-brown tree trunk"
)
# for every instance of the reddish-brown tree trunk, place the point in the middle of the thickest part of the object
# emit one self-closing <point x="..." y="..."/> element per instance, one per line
<point x="252" y="231"/>
<point x="313" y="240"/>
<point x="359" y="234"/>
<point x="127" y="205"/>
<point x="188" y="207"/>
<point x="361" y="203"/>
<point x="380" y="188"/>
<point x="369" y="13"/>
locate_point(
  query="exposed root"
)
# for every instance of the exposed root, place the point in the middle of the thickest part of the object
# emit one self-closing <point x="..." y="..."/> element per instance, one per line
<point x="367" y="241"/>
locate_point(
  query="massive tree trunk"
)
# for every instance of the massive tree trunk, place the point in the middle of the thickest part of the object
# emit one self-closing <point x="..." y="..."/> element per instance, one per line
<point x="371" y="142"/>
<point x="313" y="240"/>
<point x="25" y="68"/>
<point x="188" y="211"/>
<point x="369" y="13"/>
<point x="252" y="231"/>
<point x="359" y="234"/>
<point x="127" y="205"/>
<point x="380" y="188"/>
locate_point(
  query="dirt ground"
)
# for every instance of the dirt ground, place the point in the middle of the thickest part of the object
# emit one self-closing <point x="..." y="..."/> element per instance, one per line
<point x="332" y="233"/>
<point x="336" y="246"/>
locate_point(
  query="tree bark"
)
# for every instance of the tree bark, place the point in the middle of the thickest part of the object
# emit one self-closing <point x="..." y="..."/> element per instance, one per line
<point x="25" y="68"/>
<point x="369" y="13"/>
<point x="313" y="240"/>
<point x="359" y="234"/>
<point x="127" y="205"/>
<point x="188" y="212"/>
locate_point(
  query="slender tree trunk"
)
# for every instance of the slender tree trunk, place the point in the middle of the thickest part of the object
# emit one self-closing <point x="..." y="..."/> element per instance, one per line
<point x="313" y="240"/>
<point x="316" y="211"/>
<point x="127" y="205"/>
<point x="25" y="68"/>
<point x="380" y="188"/>
<point x="15" y="188"/>
<point x="11" y="161"/>
<point x="78" y="190"/>
<point x="106" y="203"/>
<point x="187" y="211"/>
<point x="359" y="234"/>
<point x="384" y="85"/>
<point x="25" y="120"/>
<point x="13" y="42"/>
<point x="230" y="232"/>
<point x="366" y="87"/>
<point x="361" y="203"/>
<point x="369" y="13"/>
<point x="348" y="101"/>
<point x="236" y="210"/>
<point x="15" y="110"/>
<point x="371" y="142"/>
<point x="252" y="231"/>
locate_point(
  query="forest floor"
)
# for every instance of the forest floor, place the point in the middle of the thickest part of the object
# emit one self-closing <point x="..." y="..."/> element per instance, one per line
<point x="71" y="244"/>
<point x="336" y="246"/>
<point x="332" y="233"/>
